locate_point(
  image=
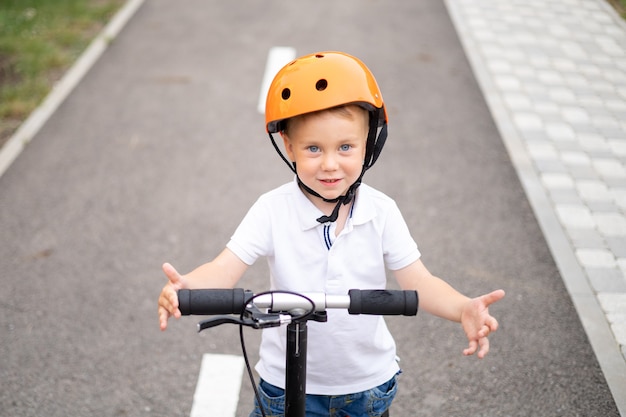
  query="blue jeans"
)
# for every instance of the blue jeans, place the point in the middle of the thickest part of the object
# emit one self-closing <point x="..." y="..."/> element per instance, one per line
<point x="370" y="403"/>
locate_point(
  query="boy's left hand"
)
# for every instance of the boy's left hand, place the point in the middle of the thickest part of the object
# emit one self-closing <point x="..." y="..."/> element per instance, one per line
<point x="478" y="323"/>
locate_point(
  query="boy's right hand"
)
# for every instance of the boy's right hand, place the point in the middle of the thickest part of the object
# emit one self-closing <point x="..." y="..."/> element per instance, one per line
<point x="168" y="300"/>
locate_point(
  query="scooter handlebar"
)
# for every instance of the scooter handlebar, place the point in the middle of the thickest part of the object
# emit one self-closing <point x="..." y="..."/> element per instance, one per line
<point x="383" y="302"/>
<point x="211" y="302"/>
<point x="233" y="301"/>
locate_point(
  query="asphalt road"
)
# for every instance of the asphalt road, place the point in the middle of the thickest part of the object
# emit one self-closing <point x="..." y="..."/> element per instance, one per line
<point x="158" y="154"/>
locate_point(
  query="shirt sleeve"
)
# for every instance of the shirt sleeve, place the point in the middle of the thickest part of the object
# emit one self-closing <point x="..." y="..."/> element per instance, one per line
<point x="399" y="248"/>
<point x="252" y="238"/>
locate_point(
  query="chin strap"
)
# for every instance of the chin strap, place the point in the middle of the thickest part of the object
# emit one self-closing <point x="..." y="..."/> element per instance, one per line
<point x="341" y="200"/>
<point x="374" y="146"/>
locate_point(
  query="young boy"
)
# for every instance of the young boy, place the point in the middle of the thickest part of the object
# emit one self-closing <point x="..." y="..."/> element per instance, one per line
<point x="327" y="232"/>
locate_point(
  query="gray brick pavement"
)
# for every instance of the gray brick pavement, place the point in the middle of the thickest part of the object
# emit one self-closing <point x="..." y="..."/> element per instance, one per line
<point x="554" y="76"/>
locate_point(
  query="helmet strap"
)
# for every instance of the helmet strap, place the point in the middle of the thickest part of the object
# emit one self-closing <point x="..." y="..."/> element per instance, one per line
<point x="375" y="143"/>
<point x="291" y="165"/>
<point x="341" y="200"/>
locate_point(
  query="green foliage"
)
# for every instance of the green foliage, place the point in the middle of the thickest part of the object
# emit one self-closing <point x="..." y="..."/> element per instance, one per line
<point x="39" y="39"/>
<point x="622" y="8"/>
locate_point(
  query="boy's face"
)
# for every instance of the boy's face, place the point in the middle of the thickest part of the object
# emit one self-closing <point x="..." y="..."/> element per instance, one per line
<point x="328" y="148"/>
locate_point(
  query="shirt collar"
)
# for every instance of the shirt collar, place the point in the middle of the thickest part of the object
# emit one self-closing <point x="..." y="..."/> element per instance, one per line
<point x="363" y="209"/>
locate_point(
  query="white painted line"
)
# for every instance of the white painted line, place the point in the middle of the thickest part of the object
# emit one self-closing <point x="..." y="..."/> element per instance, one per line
<point x="277" y="58"/>
<point x="217" y="392"/>
<point x="29" y="128"/>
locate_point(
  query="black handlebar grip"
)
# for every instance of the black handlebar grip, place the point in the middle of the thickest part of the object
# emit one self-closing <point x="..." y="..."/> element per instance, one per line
<point x="383" y="302"/>
<point x="210" y="302"/>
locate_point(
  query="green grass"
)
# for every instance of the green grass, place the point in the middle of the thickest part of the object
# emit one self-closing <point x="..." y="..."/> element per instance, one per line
<point x="39" y="40"/>
<point x="620" y="6"/>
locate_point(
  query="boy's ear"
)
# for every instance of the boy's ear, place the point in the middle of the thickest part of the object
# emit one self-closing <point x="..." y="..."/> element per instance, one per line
<point x="288" y="146"/>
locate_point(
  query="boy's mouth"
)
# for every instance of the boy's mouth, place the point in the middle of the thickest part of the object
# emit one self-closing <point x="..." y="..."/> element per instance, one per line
<point x="330" y="181"/>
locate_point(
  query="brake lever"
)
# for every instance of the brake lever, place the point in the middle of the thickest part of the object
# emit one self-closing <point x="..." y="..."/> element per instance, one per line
<point x="218" y="320"/>
<point x="258" y="321"/>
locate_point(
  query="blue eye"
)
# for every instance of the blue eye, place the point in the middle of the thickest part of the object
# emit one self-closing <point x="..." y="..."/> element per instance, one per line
<point x="314" y="148"/>
<point x="345" y="148"/>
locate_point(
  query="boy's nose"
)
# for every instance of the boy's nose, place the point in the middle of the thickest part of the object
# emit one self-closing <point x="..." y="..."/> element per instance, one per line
<point x="329" y="162"/>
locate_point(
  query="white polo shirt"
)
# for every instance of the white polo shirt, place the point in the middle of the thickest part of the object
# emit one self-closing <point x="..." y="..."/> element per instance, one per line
<point x="348" y="353"/>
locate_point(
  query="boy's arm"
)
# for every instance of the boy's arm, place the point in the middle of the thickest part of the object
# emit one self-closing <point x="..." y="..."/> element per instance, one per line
<point x="222" y="272"/>
<point x="439" y="298"/>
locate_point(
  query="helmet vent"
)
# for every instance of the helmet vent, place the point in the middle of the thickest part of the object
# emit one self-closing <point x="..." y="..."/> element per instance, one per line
<point x="321" y="85"/>
<point x="286" y="93"/>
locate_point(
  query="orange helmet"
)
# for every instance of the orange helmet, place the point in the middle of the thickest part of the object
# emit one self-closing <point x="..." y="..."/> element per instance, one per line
<point x="320" y="81"/>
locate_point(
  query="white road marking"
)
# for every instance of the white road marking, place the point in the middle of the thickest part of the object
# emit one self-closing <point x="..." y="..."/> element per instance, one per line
<point x="277" y="57"/>
<point x="219" y="383"/>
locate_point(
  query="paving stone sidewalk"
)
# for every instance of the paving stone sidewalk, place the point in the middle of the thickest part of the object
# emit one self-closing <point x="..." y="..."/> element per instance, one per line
<point x="554" y="76"/>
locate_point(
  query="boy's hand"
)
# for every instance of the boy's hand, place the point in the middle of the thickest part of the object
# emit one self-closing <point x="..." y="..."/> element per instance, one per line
<point x="168" y="300"/>
<point x="478" y="323"/>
